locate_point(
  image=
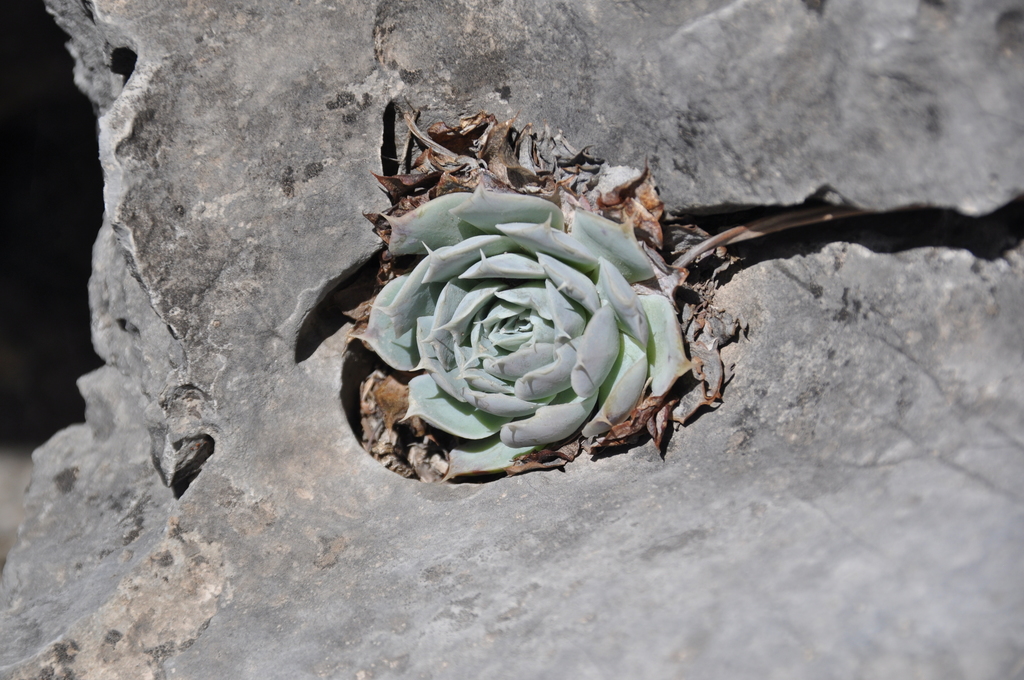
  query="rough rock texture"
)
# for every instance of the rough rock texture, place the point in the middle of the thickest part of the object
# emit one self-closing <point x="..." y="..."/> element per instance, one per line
<point x="854" y="509"/>
<point x="15" y="471"/>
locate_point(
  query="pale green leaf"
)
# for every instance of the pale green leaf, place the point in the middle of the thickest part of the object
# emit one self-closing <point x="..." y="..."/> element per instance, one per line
<point x="549" y="425"/>
<point x="531" y="295"/>
<point x="616" y="291"/>
<point x="450" y="261"/>
<point x="614" y="242"/>
<point x="413" y="300"/>
<point x="541" y="238"/>
<point x="473" y="302"/>
<point x="522" y="361"/>
<point x="482" y="381"/>
<point x="503" y="405"/>
<point x="665" y="346"/>
<point x="504" y="266"/>
<point x="571" y="282"/>
<point x="483" y="456"/>
<point x="486" y="209"/>
<point x="430" y="226"/>
<point x="569" y="321"/>
<point x="441" y="410"/>
<point x="622" y="389"/>
<point x="399" y="351"/>
<point x="549" y="380"/>
<point x="596" y="351"/>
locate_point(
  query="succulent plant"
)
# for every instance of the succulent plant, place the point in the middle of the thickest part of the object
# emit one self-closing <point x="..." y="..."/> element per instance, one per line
<point x="524" y="324"/>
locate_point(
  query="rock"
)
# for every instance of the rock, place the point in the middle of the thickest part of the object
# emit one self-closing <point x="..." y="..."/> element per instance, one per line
<point x="15" y="471"/>
<point x="853" y="508"/>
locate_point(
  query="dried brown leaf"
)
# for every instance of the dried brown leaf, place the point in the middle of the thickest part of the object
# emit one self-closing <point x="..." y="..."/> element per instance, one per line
<point x="618" y="196"/>
<point x="398" y="186"/>
<point x="645" y="225"/>
<point x="451" y="183"/>
<point x="462" y="138"/>
<point x="546" y="459"/>
<point x="392" y="399"/>
<point x="499" y="153"/>
<point x="769" y="225"/>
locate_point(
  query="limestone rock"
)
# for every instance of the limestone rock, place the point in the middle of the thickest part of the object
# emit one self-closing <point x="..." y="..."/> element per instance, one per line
<point x="852" y="509"/>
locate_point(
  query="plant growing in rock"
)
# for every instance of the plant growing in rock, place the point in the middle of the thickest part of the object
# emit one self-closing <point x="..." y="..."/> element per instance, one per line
<point x="518" y="323"/>
<point x="525" y="334"/>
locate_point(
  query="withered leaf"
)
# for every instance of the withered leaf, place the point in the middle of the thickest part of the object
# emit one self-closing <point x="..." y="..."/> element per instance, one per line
<point x="462" y="138"/>
<point x="637" y="204"/>
<point x="546" y="459"/>
<point x="769" y="225"/>
<point x="392" y="399"/>
<point x="499" y="154"/>
<point x="645" y="225"/>
<point x="450" y="183"/>
<point x="398" y="186"/>
<point x="615" y="198"/>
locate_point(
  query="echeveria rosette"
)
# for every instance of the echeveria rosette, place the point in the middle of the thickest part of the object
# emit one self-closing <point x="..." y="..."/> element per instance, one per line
<point x="526" y="334"/>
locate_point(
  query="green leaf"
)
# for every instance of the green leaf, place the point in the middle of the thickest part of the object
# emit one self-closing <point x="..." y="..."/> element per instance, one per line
<point x="549" y="380"/>
<point x="441" y="410"/>
<point x="622" y="389"/>
<point x="413" y="300"/>
<point x="504" y="266"/>
<point x="541" y="238"/>
<point x="430" y="226"/>
<point x="616" y="291"/>
<point x="486" y="209"/>
<point x="482" y="381"/>
<point x="522" y="361"/>
<point x="571" y="282"/>
<point x="531" y="295"/>
<point x="665" y="346"/>
<point x="458" y="321"/>
<point x="596" y="351"/>
<point x="613" y="241"/>
<point x="450" y="261"/>
<point x="399" y="351"/>
<point x="567" y="319"/>
<point x="483" y="456"/>
<point x="550" y="424"/>
<point x="502" y="405"/>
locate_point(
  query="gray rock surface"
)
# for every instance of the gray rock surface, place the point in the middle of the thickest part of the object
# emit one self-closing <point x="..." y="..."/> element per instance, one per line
<point x="853" y="509"/>
<point x="15" y="471"/>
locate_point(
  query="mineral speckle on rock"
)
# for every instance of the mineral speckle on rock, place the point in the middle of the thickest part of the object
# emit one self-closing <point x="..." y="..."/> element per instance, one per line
<point x="852" y="508"/>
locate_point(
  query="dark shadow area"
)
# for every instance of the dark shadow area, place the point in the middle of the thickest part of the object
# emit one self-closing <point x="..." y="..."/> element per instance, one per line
<point x="199" y="450"/>
<point x="389" y="161"/>
<point x="986" y="237"/>
<point x="122" y="62"/>
<point x="51" y="207"/>
<point x="359" y="363"/>
<point x="486" y="479"/>
<point x="336" y="309"/>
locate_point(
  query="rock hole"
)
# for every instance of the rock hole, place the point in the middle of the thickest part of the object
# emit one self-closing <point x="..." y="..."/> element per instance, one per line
<point x="389" y="162"/>
<point x="87" y="8"/>
<point x="358" y="363"/>
<point x="122" y="62"/>
<point x="65" y="479"/>
<point x="335" y="309"/>
<point x="1010" y="31"/>
<point x="128" y="327"/>
<point x="194" y="451"/>
<point x="399" y="448"/>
